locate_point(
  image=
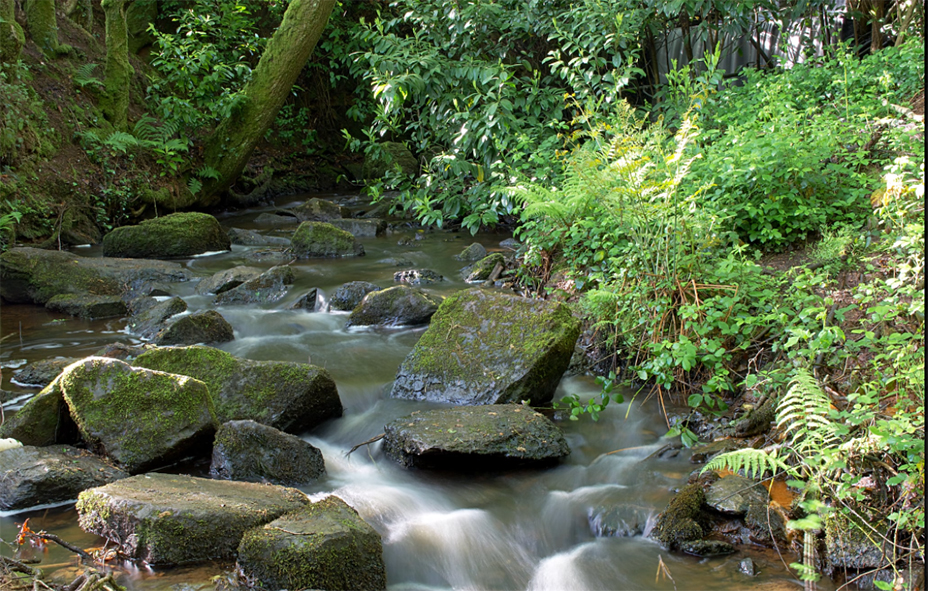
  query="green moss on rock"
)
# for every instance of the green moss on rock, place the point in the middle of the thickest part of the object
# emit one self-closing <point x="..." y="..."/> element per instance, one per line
<point x="31" y="275"/>
<point x="174" y="235"/>
<point x="322" y="240"/>
<point x="396" y="306"/>
<point x="481" y="270"/>
<point x="323" y="546"/>
<point x="682" y="520"/>
<point x="43" y="420"/>
<point x="485" y="347"/>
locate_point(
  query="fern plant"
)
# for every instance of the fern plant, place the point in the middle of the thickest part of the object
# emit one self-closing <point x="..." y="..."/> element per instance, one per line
<point x="84" y="76"/>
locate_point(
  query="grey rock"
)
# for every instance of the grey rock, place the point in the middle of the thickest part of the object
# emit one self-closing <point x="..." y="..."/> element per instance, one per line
<point x="205" y="326"/>
<point x="848" y="545"/>
<point x="334" y="548"/>
<point x="320" y="210"/>
<point x="485" y="347"/>
<point x="746" y="567"/>
<point x="43" y="420"/>
<point x="308" y="301"/>
<point x="734" y="495"/>
<point x="707" y="548"/>
<point x="226" y="280"/>
<point x="474" y="437"/>
<point x="42" y="475"/>
<point x="482" y="269"/>
<point x="417" y="277"/>
<point x="167" y="519"/>
<point x="170" y="236"/>
<point x="154" y="316"/>
<point x="396" y="306"/>
<point x="349" y="295"/>
<point x="41" y="373"/>
<point x="88" y="306"/>
<point x="251" y="452"/>
<point x="472" y="253"/>
<point x="322" y="240"/>
<point x="361" y="228"/>
<point x="252" y="238"/>
<point x="267" y="288"/>
<point x="276" y="220"/>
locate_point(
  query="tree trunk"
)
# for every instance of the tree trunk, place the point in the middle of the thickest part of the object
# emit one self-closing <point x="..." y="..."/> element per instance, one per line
<point x="118" y="71"/>
<point x="11" y="34"/>
<point x="42" y="24"/>
<point x="230" y="146"/>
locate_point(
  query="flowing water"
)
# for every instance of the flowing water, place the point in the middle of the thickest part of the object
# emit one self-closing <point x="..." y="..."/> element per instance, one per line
<point x="529" y="529"/>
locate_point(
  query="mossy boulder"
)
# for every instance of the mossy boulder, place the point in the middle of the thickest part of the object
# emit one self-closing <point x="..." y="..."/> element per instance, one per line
<point x="251" y="452"/>
<point x="486" y="347"/>
<point x="170" y="236"/>
<point x="41" y="373"/>
<point x="276" y="220"/>
<point x="205" y="326"/>
<point x="482" y="269"/>
<point x="683" y="519"/>
<point x="153" y="315"/>
<point x="349" y="295"/>
<point x="42" y="475"/>
<point x="735" y="495"/>
<point x="43" y="420"/>
<point x="252" y="238"/>
<point x="852" y="543"/>
<point x="396" y="306"/>
<point x="267" y="288"/>
<point x="474" y="252"/>
<point x="88" y="307"/>
<point x="484" y="437"/>
<point x="167" y="519"/>
<point x="319" y="210"/>
<point x="292" y="397"/>
<point x="322" y="240"/>
<point x="323" y="546"/>
<point x="137" y="417"/>
<point x="361" y="228"/>
<point x="226" y="280"/>
<point x="391" y="156"/>
<point x="34" y="276"/>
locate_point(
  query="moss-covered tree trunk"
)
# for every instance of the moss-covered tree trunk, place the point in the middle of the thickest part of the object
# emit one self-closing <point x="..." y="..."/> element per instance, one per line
<point x="229" y="148"/>
<point x="11" y="34"/>
<point x="118" y="72"/>
<point x="42" y="24"/>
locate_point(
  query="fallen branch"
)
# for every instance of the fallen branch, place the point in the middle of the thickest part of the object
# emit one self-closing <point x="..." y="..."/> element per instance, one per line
<point x="374" y="439"/>
<point x="53" y="538"/>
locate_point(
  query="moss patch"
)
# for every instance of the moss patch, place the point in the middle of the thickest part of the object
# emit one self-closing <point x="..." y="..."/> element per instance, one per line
<point x="682" y="520"/>
<point x="321" y="240"/>
<point x="174" y="235"/>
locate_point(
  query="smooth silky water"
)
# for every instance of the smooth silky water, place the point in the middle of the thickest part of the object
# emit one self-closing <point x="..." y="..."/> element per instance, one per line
<point x="524" y="529"/>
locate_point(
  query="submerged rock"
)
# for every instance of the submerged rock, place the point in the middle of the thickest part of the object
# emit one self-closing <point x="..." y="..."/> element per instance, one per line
<point x="226" y="280"/>
<point x="34" y="276"/>
<point x="43" y="475"/>
<point x="170" y="236"/>
<point x="320" y="210"/>
<point x="396" y="306"/>
<point x="474" y="437"/>
<point x="292" y="397"/>
<point x="268" y="287"/>
<point x="41" y="373"/>
<point x="323" y="546"/>
<point x="707" y="548"/>
<point x="349" y="295"/>
<point x="251" y="452"/>
<point x="252" y="238"/>
<point x="276" y="220"/>
<point x="167" y="519"/>
<point x="322" y="240"/>
<point x="361" y="228"/>
<point x="485" y="347"/>
<point x="474" y="252"/>
<point x="88" y="306"/>
<point x="137" y="417"/>
<point x="203" y="327"/>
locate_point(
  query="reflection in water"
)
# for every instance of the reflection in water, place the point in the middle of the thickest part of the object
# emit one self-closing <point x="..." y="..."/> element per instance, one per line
<point x="522" y="529"/>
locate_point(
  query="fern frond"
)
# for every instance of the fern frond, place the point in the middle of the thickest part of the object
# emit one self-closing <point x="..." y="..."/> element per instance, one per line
<point x="208" y="172"/>
<point x="147" y="130"/>
<point x="121" y="141"/>
<point x="753" y="463"/>
<point x="84" y="76"/>
<point x="194" y="184"/>
<point x="803" y="414"/>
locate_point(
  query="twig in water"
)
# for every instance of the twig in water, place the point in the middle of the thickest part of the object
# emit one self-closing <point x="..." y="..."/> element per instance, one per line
<point x="53" y="538"/>
<point x="368" y="442"/>
<point x="663" y="570"/>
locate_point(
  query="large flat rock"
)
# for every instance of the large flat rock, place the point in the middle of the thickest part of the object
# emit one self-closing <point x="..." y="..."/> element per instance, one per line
<point x="167" y="519"/>
<point x="474" y="437"/>
<point x="488" y="347"/>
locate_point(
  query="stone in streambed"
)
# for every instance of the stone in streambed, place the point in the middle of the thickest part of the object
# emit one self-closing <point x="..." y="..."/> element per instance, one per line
<point x="361" y="228"/>
<point x="319" y="210"/>
<point x="475" y="437"/>
<point x="166" y="519"/>
<point x="417" y="277"/>
<point x="44" y="420"/>
<point x="683" y="519"/>
<point x="292" y="397"/>
<point x="205" y="326"/>
<point x="325" y="545"/>
<point x="137" y="417"/>
<point x="152" y="315"/>
<point x="349" y="295"/>
<point x="226" y="280"/>
<point x="171" y="236"/>
<point x="397" y="306"/>
<point x="252" y="238"/>
<point x="474" y="252"/>
<point x="482" y="269"/>
<point x="42" y="475"/>
<point x="322" y="240"/>
<point x="41" y="373"/>
<point x="268" y="287"/>
<point x="485" y="347"/>
<point x="88" y="307"/>
<point x="251" y="452"/>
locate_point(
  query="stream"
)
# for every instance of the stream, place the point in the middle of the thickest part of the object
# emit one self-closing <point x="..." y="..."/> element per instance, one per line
<point x="527" y="530"/>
